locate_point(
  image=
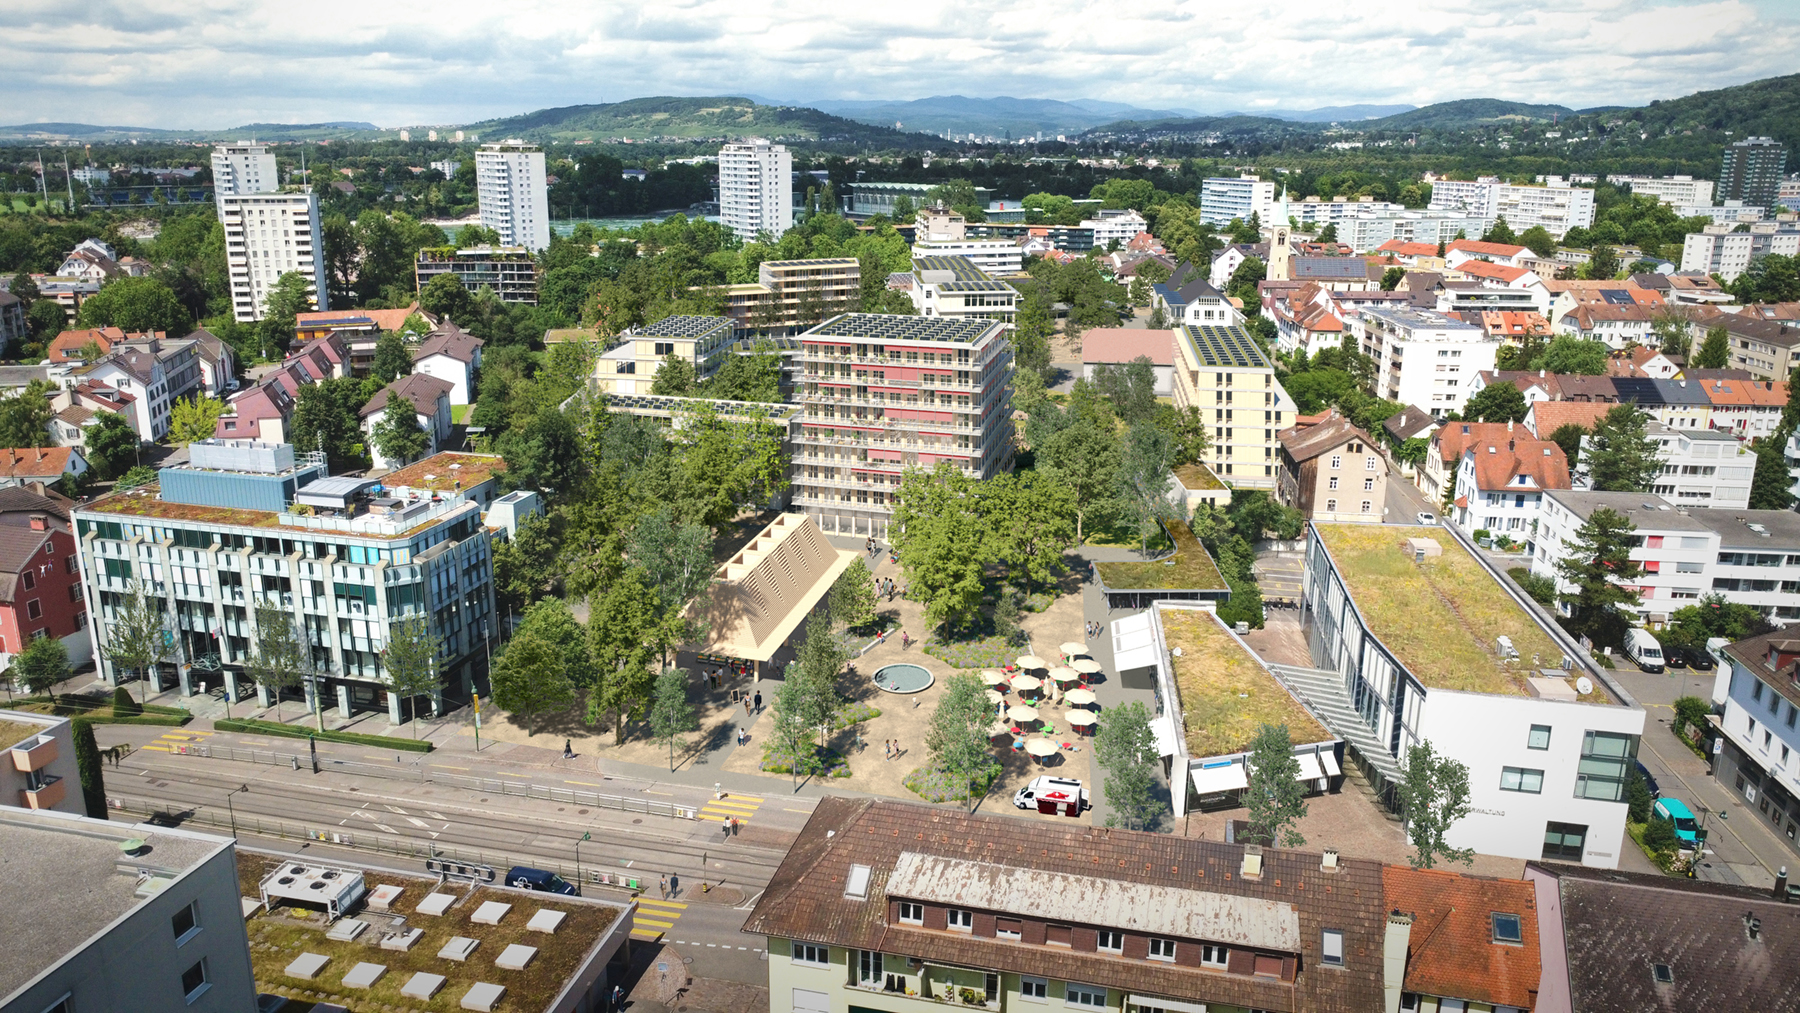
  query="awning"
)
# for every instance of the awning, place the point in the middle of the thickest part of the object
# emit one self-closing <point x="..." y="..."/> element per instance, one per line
<point x="1162" y="729"/>
<point x="1328" y="759"/>
<point x="1309" y="767"/>
<point x="1157" y="1002"/>
<point x="1225" y="777"/>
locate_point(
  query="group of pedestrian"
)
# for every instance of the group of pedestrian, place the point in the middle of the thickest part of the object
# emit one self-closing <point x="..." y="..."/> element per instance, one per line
<point x="871" y="547"/>
<point x="1094" y="629"/>
<point x="891" y="747"/>
<point x="885" y="587"/>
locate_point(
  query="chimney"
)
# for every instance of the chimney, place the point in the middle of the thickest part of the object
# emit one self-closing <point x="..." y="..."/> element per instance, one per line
<point x="1394" y="945"/>
<point x="1252" y="867"/>
<point x="1752" y="925"/>
<point x="1781" y="893"/>
<point x="39" y="522"/>
<point x="1328" y="862"/>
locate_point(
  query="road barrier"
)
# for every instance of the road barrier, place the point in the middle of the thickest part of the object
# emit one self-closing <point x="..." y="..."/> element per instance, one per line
<point x="418" y="770"/>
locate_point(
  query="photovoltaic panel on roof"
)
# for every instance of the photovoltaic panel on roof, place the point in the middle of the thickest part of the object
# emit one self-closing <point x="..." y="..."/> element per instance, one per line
<point x="885" y="327"/>
<point x="685" y="327"/>
<point x="1220" y="345"/>
<point x="1617" y="297"/>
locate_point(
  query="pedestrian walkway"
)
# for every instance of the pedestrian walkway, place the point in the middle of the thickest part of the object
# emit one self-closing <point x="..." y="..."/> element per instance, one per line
<point x="741" y="806"/>
<point x="171" y="742"/>
<point x="655" y="917"/>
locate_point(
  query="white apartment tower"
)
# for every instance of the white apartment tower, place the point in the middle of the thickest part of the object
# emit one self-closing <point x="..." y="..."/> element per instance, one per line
<point x="756" y="188"/>
<point x="514" y="198"/>
<point x="268" y="232"/>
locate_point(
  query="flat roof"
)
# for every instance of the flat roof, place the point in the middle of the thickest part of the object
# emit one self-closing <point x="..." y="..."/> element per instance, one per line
<point x="73" y="865"/>
<point x="683" y="327"/>
<point x="1777" y="528"/>
<point x="147" y="501"/>
<point x="1226" y="693"/>
<point x="1643" y="509"/>
<point x="1224" y="345"/>
<point x="440" y="472"/>
<point x="1441" y="616"/>
<point x="886" y="327"/>
<point x="1192" y="569"/>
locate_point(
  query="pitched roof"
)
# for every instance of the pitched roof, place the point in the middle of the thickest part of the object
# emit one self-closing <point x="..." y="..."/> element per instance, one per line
<point x="1505" y="323"/>
<point x="1451" y="951"/>
<point x="1500" y="461"/>
<point x="1123" y="344"/>
<point x="19" y="499"/>
<point x="1409" y="422"/>
<point x="1402" y="248"/>
<point x="422" y="389"/>
<point x="1330" y="268"/>
<point x="1732" y="393"/>
<point x="63" y="347"/>
<point x="451" y="340"/>
<point x="1649" y="391"/>
<point x="75" y="415"/>
<point x="387" y="320"/>
<point x="1546" y="417"/>
<point x="1581" y="387"/>
<point x="1303" y="443"/>
<point x="35" y="462"/>
<point x="1492" y="272"/>
<point x="1481" y="249"/>
<point x="1587" y="315"/>
<point x="17" y="544"/>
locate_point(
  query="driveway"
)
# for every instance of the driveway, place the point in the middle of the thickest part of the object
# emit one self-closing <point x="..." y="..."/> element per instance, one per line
<point x="1405" y="502"/>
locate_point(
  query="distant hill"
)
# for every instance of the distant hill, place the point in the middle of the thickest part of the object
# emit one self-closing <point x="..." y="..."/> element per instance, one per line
<point x="91" y="134"/>
<point x="1770" y="107"/>
<point x="687" y="118"/>
<point x="1465" y="113"/>
<point x="333" y="125"/>
<point x="1337" y="114"/>
<point x="1001" y="116"/>
<point x="1233" y="124"/>
<point x="83" y="132"/>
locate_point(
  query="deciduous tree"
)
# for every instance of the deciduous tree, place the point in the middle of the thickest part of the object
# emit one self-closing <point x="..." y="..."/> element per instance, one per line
<point x="193" y="419"/>
<point x="1274" y="795"/>
<point x="939" y="532"/>
<point x="41" y="665"/>
<point x="138" y="638"/>
<point x="1126" y="750"/>
<point x="957" y="738"/>
<point x="278" y="659"/>
<point x="528" y="678"/>
<point x="410" y="661"/>
<point x="135" y="304"/>
<point x="392" y="360"/>
<point x="398" y="434"/>
<point x="672" y="714"/>
<point x="852" y="598"/>
<point x="621" y="634"/>
<point x="112" y="445"/>
<point x="1434" y="796"/>
<point x="1715" y="349"/>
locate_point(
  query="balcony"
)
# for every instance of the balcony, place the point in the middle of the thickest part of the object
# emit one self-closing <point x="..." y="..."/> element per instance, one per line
<point x="44" y="792"/>
<point x="34" y="753"/>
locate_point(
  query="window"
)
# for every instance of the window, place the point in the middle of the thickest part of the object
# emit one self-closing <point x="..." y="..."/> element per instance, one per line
<point x="1521" y="779"/>
<point x="1564" y="841"/>
<point x="912" y="914"/>
<point x="809" y="953"/>
<point x="1506" y="929"/>
<point x="1331" y="506"/>
<point x="1368" y="485"/>
<point x="185" y="923"/>
<point x="1331" y="948"/>
<point x="1664" y="974"/>
<point x="1337" y="461"/>
<point x="1267" y="966"/>
<point x="33" y="609"/>
<point x="1033" y="988"/>
<point x="1367" y="506"/>
<point x="193" y="981"/>
<point x="961" y="919"/>
<point x="1212" y="955"/>
<point x="30" y="579"/>
<point x="1092" y="996"/>
<point x="868" y="968"/>
<point x="1605" y="758"/>
<point x="1539" y="737"/>
<point x="1111" y="942"/>
<point x="1331" y="483"/>
<point x="1008" y="928"/>
<point x="1369" y="463"/>
<point x="1162" y="949"/>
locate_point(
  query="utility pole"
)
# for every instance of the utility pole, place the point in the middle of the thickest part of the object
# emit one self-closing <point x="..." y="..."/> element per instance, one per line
<point x="69" y="179"/>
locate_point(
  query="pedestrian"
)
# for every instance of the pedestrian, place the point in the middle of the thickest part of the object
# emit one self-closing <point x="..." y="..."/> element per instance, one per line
<point x="759" y="701"/>
<point x="746" y="704"/>
<point x="568" y="750"/>
<point x="665" y="886"/>
<point x="887" y="749"/>
<point x="618" y="998"/>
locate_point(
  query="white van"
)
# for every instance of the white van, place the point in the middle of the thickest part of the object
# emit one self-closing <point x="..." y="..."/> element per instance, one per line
<point x="1643" y="650"/>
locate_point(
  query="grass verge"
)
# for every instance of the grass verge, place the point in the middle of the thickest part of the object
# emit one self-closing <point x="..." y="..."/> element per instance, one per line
<point x="256" y="727"/>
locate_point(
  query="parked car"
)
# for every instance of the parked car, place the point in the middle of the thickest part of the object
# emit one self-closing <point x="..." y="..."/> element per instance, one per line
<point x="1675" y="657"/>
<point x="1428" y="518"/>
<point x="542" y="880"/>
<point x="1649" y="780"/>
<point x="1687" y="830"/>
<point x="1047" y="787"/>
<point x="1699" y="659"/>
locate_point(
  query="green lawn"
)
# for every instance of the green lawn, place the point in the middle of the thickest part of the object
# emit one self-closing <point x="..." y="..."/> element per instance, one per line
<point x="459" y="413"/>
<point x="1190" y="568"/>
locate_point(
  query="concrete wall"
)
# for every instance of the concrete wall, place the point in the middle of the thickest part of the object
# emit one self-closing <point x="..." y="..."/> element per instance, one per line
<point x="12" y="780"/>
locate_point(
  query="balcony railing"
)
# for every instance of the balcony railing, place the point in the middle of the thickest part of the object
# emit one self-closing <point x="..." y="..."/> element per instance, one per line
<point x="49" y="792"/>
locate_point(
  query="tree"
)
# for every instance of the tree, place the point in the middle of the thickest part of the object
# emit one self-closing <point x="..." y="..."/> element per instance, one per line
<point x="1391" y="278"/>
<point x="1032" y="518"/>
<point x="1568" y="437"/>
<point x="112" y="445"/>
<point x="136" y="305"/>
<point x="1694" y="625"/>
<point x="674" y="376"/>
<point x="1032" y="330"/>
<point x="410" y="661"/>
<point x="25" y="416"/>
<point x="525" y="565"/>
<point x="45" y="319"/>
<point x="1770" y="484"/>
<point x="671" y="714"/>
<point x="1131" y="387"/>
<point x="1620" y="456"/>
<point x="528" y="678"/>
<point x="1538" y="240"/>
<point x="1603" y="264"/>
<point x="1083" y="454"/>
<point x="792" y="728"/>
<point x="820" y="659"/>
<point x="938" y="531"/>
<point x="445" y="296"/>
<point x="194" y="419"/>
<point x="852" y="600"/>
<point x="1144" y="482"/>
<point x="1501" y="401"/>
<point x="676" y="558"/>
<point x="957" y="737"/>
<point x="1126" y="749"/>
<point x="1669" y="333"/>
<point x="1328" y="234"/>
<point x="1434" y="796"/>
<point x="1600" y="569"/>
<point x="140" y="635"/>
<point x="1275" y="798"/>
<point x="1243" y="282"/>
<point x="398" y="434"/>
<point x="326" y="416"/>
<point x="290" y="296"/>
<point x="278" y="659"/>
<point x="1637" y="798"/>
<point x="92" y="771"/>
<point x="392" y="361"/>
<point x="621" y="635"/>
<point x="1715" y="349"/>
<point x="544" y="452"/>
<point x="41" y="665"/>
<point x="1499" y="232"/>
<point x="1567" y="353"/>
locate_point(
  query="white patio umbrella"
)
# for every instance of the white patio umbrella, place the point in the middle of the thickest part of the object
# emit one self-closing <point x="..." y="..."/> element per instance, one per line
<point x="1087" y="665"/>
<point x="1063" y="673"/>
<point x="1029" y="661"/>
<point x="1072" y="648"/>
<point x="1022" y="712"/>
<point x="995" y="696"/>
<point x="1079" y="697"/>
<point x="1026" y="682"/>
<point x="1081" y="719"/>
<point x="992" y="677"/>
<point x="1040" y="747"/>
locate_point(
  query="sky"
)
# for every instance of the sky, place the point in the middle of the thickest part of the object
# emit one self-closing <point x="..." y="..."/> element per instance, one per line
<point x="219" y="63"/>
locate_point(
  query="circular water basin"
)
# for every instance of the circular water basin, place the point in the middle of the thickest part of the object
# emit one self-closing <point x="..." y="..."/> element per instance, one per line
<point x="903" y="678"/>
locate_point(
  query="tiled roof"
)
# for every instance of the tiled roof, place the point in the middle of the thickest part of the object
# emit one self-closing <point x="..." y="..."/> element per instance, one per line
<point x="17" y="544"/>
<point x="1330" y="267"/>
<point x="422" y="389"/>
<point x="18" y="499"/>
<point x="75" y="415"/>
<point x="1481" y="249"/>
<point x="1580" y="387"/>
<point x="35" y="462"/>
<point x="1493" y="272"/>
<point x="1546" y="417"/>
<point x="1733" y="393"/>
<point x="1409" y="422"/>
<point x="1501" y="460"/>
<point x="1123" y="344"/>
<point x="1402" y="248"/>
<point x="1647" y="391"/>
<point x="63" y="347"/>
<point x="805" y="900"/>
<point x="1308" y="442"/>
<point x="451" y="340"/>
<point x="1451" y="952"/>
<point x="1587" y="315"/>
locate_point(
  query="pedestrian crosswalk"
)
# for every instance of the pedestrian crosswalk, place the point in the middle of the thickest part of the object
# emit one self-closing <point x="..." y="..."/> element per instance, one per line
<point x="176" y="741"/>
<point x="655" y="917"/>
<point x="741" y="806"/>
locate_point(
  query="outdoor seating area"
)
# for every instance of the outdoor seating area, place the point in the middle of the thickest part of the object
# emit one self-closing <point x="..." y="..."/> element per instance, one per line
<point x="1049" y="711"/>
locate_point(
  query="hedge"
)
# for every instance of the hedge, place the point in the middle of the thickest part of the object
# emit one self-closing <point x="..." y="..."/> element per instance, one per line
<point x="164" y="720"/>
<point x="256" y="727"/>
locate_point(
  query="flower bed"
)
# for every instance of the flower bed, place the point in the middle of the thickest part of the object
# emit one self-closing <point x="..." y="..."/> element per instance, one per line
<point x="979" y="652"/>
<point x="777" y="760"/>
<point x="934" y="785"/>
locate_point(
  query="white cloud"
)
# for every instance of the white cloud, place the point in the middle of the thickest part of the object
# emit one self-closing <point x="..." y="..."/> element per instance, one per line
<point x="215" y="63"/>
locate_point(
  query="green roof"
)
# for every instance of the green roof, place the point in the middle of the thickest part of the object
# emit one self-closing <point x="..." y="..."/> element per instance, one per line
<point x="1189" y="569"/>
<point x="1217" y="345"/>
<point x="1226" y="693"/>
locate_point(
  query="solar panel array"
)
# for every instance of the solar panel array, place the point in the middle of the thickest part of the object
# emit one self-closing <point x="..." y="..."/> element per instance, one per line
<point x="1217" y="345"/>
<point x="685" y="327"/>
<point x="668" y="403"/>
<point x="962" y="268"/>
<point x="885" y="327"/>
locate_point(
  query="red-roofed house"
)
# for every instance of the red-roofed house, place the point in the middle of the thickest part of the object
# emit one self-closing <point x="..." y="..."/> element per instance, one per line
<point x="45" y="465"/>
<point x="1118" y="346"/>
<point x="1419" y="256"/>
<point x="1307" y="317"/>
<point x="1748" y="408"/>
<point x="261" y="413"/>
<point x="1464" y="250"/>
<point x="1445" y="452"/>
<point x="1502" y="276"/>
<point x="1616" y="325"/>
<point x="65" y="346"/>
<point x="1511" y="326"/>
<point x="1546" y="417"/>
<point x="1640" y="361"/>
<point x="1471" y="941"/>
<point x="1501" y="482"/>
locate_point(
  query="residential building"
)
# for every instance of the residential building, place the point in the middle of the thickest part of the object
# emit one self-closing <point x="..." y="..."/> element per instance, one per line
<point x="1767" y="348"/>
<point x="1686" y="553"/>
<point x="1119" y="228"/>
<point x="1308" y="318"/>
<point x="756" y="190"/>
<point x="91" y="265"/>
<point x="1641" y="360"/>
<point x="511" y="272"/>
<point x="69" y="426"/>
<point x="1418" y="256"/>
<point x="512" y="193"/>
<point x="1511" y="327"/>
<point x="1501" y="482"/>
<point x="1223" y="199"/>
<point x="1732" y="211"/>
<point x="1690" y="288"/>
<point x="1220" y="370"/>
<point x="240" y="169"/>
<point x="1462" y="251"/>
<point x="1318" y="211"/>
<point x="1759" y="754"/>
<point x="1333" y="472"/>
<point x="261" y="414"/>
<point x="942" y="232"/>
<point x="1700" y="467"/>
<point x="1422" y="357"/>
<point x="1189" y="298"/>
<point x="1619" y="326"/>
<point x="40" y="770"/>
<point x="1511" y="279"/>
<point x="158" y="928"/>
<point x="228" y="533"/>
<point x="1120" y="346"/>
<point x="792" y="295"/>
<point x="1566" y="296"/>
<point x="268" y="235"/>
<point x="39" y="466"/>
<point x="1720" y="249"/>
<point x="1472" y="942"/>
<point x="1370" y="230"/>
<point x="1748" y="409"/>
<point x="884" y="393"/>
<point x="1671" y="190"/>
<point x="955" y="288"/>
<point x="452" y="355"/>
<point x="69" y="293"/>
<point x="867" y="199"/>
<point x="40" y="578"/>
<point x="448" y="167"/>
<point x="13" y="326"/>
<point x="1544" y="418"/>
<point x="1336" y="274"/>
<point x="359" y="330"/>
<point x="133" y="371"/>
<point x="428" y="396"/>
<point x="1678" y="404"/>
<point x="1751" y="171"/>
<point x="1409" y="423"/>
<point x="1626" y="942"/>
<point x="871" y="912"/>
<point x="630" y="366"/>
<point x="1557" y="207"/>
<point x="1548" y="756"/>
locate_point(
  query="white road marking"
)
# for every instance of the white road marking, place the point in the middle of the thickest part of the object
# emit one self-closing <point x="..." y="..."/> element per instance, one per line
<point x="384" y="828"/>
<point x="436" y="816"/>
<point x="363" y="814"/>
<point x="434" y="835"/>
<point x="395" y="809"/>
<point x="343" y="821"/>
<point x="417" y="822"/>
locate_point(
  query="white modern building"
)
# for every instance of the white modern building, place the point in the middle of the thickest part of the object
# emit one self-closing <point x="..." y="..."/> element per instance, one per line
<point x="240" y="169"/>
<point x="1700" y="467"/>
<point x="1760" y="754"/>
<point x="1548" y="749"/>
<point x="756" y="189"/>
<point x="1718" y="249"/>
<point x="512" y="192"/>
<point x="268" y="232"/>
<point x="1224" y="198"/>
<point x="1423" y="357"/>
<point x="1368" y="230"/>
<point x="1121" y="228"/>
<point x="1319" y="211"/>
<point x="941" y="232"/>
<point x="1750" y="557"/>
<point x="448" y="167"/>
<point x="952" y="287"/>
<point x="1558" y="207"/>
<point x="1674" y="191"/>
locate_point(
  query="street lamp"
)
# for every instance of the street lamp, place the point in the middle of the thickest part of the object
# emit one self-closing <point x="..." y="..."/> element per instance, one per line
<point x="585" y="836"/>
<point x="233" y="811"/>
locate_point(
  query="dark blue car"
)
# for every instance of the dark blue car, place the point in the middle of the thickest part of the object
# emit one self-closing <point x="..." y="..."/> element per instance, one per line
<point x="526" y="878"/>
